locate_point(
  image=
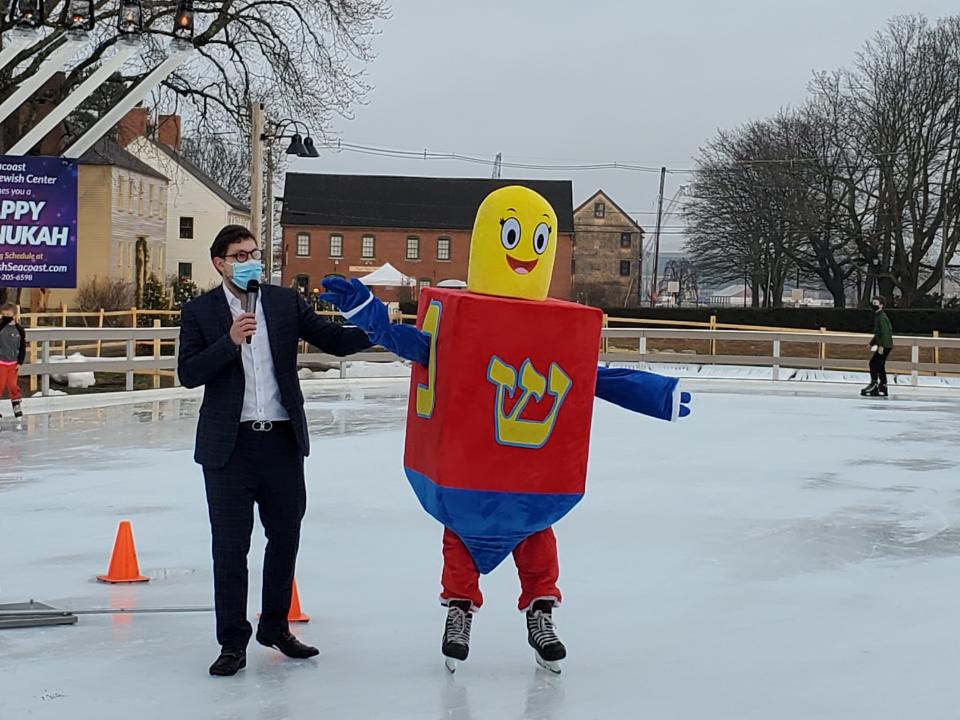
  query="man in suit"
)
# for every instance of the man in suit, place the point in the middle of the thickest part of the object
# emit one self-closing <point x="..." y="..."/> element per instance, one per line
<point x="252" y="435"/>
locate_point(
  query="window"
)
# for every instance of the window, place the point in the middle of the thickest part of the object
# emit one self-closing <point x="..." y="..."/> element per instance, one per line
<point x="185" y="271"/>
<point x="140" y="200"/>
<point x="626" y="240"/>
<point x="303" y="244"/>
<point x="368" y="246"/>
<point x="336" y="246"/>
<point x="186" y="228"/>
<point x="413" y="248"/>
<point x="302" y="282"/>
<point x="599" y="210"/>
<point x="423" y="283"/>
<point x="625" y="268"/>
<point x="150" y="206"/>
<point x="443" y="248"/>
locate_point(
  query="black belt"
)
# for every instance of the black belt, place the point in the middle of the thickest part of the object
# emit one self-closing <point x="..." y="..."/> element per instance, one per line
<point x="264" y="425"/>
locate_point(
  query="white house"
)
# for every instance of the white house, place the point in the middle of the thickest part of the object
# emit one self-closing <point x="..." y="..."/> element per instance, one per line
<point x="197" y="207"/>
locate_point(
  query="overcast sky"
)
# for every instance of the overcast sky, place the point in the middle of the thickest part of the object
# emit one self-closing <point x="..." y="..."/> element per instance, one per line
<point x="554" y="81"/>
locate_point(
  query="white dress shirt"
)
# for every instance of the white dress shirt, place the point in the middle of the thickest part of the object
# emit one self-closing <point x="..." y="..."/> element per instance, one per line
<point x="261" y="394"/>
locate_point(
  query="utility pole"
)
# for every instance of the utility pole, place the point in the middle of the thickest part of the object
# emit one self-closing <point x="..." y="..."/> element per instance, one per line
<point x="656" y="240"/>
<point x="256" y="170"/>
<point x="268" y="221"/>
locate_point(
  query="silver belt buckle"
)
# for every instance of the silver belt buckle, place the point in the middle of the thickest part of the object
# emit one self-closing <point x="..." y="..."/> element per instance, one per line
<point x="262" y="426"/>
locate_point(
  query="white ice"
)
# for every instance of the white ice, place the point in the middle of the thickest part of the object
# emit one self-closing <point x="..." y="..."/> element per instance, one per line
<point x="788" y="551"/>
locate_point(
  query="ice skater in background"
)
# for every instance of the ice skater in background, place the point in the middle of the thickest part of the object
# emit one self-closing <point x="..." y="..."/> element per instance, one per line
<point x="501" y="402"/>
<point x="881" y="344"/>
<point x="13" y="348"/>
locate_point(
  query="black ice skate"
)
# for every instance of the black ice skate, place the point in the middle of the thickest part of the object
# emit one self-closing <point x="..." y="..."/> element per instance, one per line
<point x="882" y="391"/>
<point x="871" y="390"/>
<point x="456" y="633"/>
<point x="542" y="636"/>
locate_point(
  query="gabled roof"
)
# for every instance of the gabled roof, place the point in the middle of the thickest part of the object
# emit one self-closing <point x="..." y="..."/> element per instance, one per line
<point x="106" y="151"/>
<point x="385" y="201"/>
<point x="607" y="198"/>
<point x="202" y="177"/>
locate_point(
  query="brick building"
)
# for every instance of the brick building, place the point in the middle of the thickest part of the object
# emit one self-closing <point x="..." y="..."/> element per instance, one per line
<point x="350" y="225"/>
<point x="607" y="257"/>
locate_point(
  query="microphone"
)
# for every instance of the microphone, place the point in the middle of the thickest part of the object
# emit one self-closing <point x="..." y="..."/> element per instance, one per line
<point x="250" y="303"/>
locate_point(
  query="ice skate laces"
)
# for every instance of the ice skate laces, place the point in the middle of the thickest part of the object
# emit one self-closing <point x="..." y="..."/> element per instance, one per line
<point x="542" y="628"/>
<point x="458" y="626"/>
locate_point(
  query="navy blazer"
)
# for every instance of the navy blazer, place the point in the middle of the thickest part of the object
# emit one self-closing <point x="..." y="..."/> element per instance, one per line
<point x="210" y="358"/>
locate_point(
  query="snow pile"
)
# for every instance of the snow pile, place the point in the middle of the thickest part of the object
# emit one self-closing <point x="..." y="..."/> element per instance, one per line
<point x="394" y="369"/>
<point x="52" y="392"/>
<point x="73" y="379"/>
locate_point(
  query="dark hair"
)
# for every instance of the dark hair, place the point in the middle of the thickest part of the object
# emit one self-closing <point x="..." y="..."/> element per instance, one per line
<point x="9" y="306"/>
<point x="881" y="299"/>
<point x="228" y="236"/>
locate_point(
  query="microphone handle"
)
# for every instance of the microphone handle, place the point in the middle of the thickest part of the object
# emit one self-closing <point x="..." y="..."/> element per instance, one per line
<point x="251" y="307"/>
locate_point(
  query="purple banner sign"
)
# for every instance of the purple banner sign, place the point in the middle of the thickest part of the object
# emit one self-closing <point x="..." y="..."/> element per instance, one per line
<point x="38" y="222"/>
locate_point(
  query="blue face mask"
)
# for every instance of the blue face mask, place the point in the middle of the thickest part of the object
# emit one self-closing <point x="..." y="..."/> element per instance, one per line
<point x="244" y="272"/>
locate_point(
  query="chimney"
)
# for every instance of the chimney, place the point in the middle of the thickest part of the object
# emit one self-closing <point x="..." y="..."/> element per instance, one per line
<point x="132" y="126"/>
<point x="169" y="132"/>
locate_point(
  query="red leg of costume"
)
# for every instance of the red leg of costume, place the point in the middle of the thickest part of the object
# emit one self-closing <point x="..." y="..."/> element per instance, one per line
<point x="538" y="568"/>
<point x="461" y="579"/>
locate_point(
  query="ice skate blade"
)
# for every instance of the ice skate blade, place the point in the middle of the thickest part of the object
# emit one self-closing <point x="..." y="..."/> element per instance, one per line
<point x="450" y="664"/>
<point x="551" y="666"/>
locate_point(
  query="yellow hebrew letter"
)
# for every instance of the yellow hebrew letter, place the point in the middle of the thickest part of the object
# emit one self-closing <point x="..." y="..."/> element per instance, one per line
<point x="510" y="429"/>
<point x="426" y="394"/>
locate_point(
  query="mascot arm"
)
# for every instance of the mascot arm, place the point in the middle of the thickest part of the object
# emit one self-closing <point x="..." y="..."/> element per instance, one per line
<point x="647" y="393"/>
<point x="365" y="310"/>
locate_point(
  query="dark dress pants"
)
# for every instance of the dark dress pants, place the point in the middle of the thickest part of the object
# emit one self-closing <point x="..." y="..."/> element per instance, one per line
<point x="265" y="468"/>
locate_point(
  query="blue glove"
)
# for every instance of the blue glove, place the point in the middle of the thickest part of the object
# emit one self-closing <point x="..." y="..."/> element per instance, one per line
<point x="365" y="310"/>
<point x="347" y="296"/>
<point x="647" y="393"/>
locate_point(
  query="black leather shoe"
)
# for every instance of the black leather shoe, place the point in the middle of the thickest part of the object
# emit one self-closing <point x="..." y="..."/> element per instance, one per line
<point x="230" y="662"/>
<point x="287" y="644"/>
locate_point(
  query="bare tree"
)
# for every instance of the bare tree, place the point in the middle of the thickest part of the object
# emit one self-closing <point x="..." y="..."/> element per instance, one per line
<point x="859" y="187"/>
<point x="227" y="162"/>
<point x="305" y="57"/>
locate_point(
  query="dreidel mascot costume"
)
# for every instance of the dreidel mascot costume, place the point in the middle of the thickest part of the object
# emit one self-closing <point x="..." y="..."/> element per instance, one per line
<point x="501" y="401"/>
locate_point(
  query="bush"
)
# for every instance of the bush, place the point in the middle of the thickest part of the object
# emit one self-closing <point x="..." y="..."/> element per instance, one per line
<point x="107" y="294"/>
<point x="184" y="290"/>
<point x="154" y="298"/>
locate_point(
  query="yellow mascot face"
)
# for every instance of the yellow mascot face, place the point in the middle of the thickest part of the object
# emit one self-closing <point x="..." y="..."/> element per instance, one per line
<point x="513" y="246"/>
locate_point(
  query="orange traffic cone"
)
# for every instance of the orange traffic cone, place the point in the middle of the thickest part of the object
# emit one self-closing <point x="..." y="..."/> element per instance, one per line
<point x="124" y="567"/>
<point x="296" y="614"/>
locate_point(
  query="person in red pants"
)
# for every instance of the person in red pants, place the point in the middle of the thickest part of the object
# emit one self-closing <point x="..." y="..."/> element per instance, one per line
<point x="13" y="348"/>
<point x="538" y="568"/>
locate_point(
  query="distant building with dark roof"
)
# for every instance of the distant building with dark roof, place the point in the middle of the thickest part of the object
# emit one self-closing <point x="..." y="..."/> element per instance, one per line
<point x="350" y="225"/>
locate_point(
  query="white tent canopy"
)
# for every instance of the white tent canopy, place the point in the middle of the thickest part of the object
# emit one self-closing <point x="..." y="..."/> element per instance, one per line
<point x="387" y="276"/>
<point x="457" y="284"/>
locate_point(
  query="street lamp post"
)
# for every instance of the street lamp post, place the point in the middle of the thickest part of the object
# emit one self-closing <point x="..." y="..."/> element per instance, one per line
<point x="300" y="145"/>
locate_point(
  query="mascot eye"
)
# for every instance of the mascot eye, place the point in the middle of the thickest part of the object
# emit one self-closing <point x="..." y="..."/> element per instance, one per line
<point x="510" y="233"/>
<point x="541" y="238"/>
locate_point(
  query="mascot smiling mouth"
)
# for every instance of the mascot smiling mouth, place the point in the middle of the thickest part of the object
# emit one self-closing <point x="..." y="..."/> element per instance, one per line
<point x="521" y="267"/>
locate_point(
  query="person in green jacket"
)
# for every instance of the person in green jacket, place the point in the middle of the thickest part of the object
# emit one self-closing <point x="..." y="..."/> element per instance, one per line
<point x="881" y="344"/>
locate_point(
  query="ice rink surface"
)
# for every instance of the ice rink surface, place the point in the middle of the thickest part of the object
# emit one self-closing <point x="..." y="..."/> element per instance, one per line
<point x="785" y="552"/>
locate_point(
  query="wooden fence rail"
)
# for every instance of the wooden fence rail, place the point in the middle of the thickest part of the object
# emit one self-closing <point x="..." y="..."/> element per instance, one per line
<point x="157" y="363"/>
